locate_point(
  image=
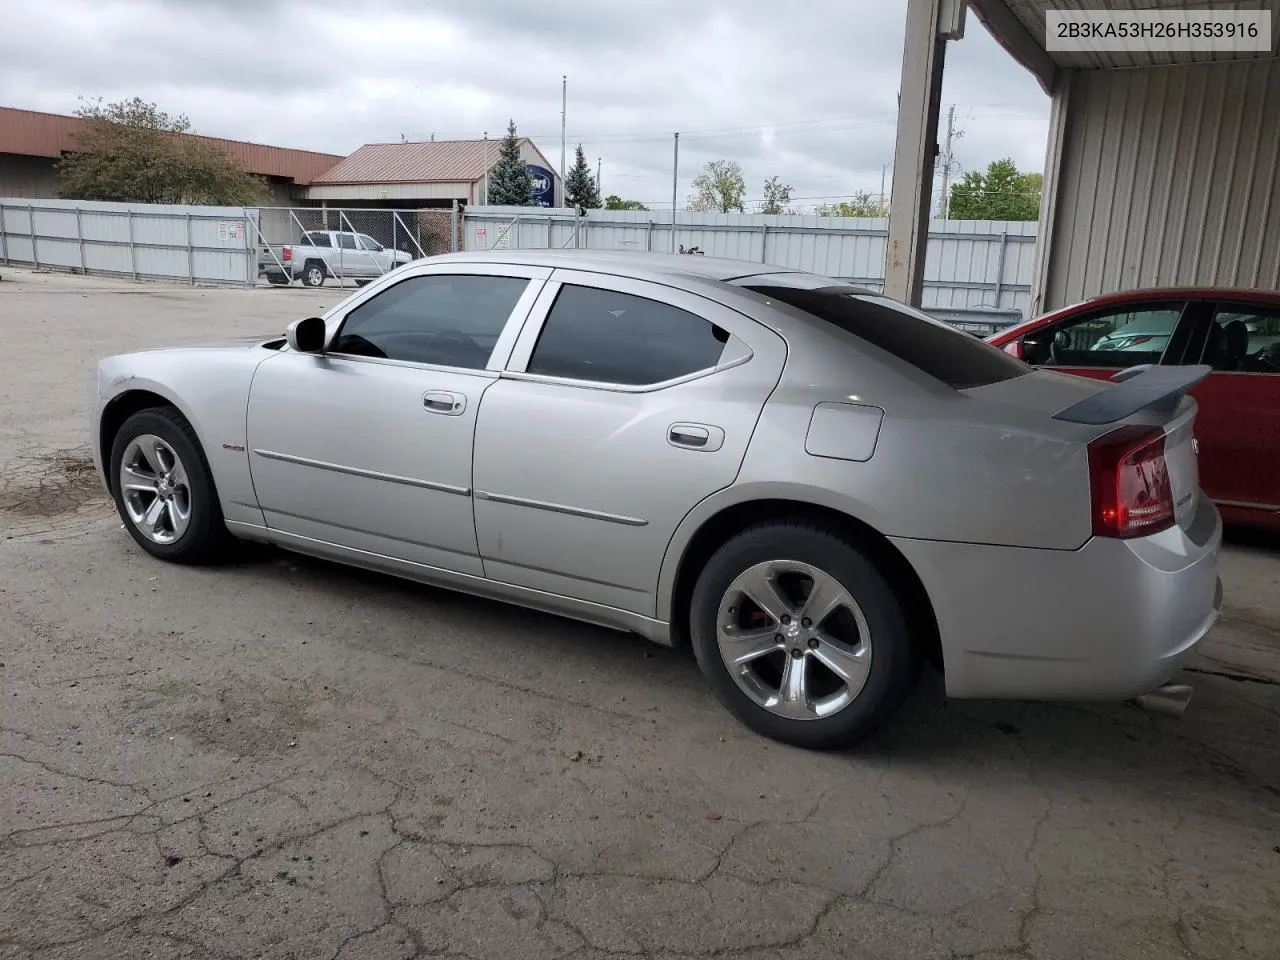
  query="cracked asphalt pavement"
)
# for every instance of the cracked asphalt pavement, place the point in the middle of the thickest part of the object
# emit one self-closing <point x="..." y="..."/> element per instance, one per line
<point x="289" y="759"/>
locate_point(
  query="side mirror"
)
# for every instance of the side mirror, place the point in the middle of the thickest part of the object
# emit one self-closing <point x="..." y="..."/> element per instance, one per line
<point x="306" y="336"/>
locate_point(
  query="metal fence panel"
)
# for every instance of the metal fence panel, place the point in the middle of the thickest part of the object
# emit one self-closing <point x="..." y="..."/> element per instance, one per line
<point x="977" y="273"/>
<point x="161" y="241"/>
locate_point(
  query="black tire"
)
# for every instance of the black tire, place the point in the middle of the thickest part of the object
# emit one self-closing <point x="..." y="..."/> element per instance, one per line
<point x="277" y="279"/>
<point x="895" y="661"/>
<point x="313" y="273"/>
<point x="205" y="539"/>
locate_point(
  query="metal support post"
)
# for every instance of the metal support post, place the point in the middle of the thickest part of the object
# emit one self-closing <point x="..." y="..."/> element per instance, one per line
<point x="1004" y="249"/>
<point x="675" y="181"/>
<point x="191" y="255"/>
<point x="929" y="24"/>
<point x="80" y="240"/>
<point x="133" y="253"/>
<point x="31" y="221"/>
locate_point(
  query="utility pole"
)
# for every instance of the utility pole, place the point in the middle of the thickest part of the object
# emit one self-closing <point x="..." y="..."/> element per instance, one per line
<point x="946" y="162"/>
<point x="884" y="170"/>
<point x="598" y="178"/>
<point x="675" y="180"/>
<point x="564" y="103"/>
<point x="486" y="168"/>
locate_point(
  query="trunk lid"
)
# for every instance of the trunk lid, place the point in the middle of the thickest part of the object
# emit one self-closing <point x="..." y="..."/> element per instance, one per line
<point x="1085" y="409"/>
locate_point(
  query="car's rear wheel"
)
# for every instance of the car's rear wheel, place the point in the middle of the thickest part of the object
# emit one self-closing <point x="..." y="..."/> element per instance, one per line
<point x="164" y="491"/>
<point x="801" y="636"/>
<point x="313" y="273"/>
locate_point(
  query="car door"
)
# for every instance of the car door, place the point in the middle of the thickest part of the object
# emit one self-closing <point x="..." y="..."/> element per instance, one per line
<point x="352" y="261"/>
<point x="380" y="259"/>
<point x="1238" y="424"/>
<point x="368" y="445"/>
<point x="1100" y="341"/>
<point x="625" y="404"/>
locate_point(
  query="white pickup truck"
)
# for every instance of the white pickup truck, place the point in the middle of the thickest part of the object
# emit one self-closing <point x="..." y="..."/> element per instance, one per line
<point x="329" y="253"/>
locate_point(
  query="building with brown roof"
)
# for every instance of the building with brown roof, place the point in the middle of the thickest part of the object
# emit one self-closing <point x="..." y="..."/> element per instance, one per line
<point x="31" y="144"/>
<point x="425" y="173"/>
<point x="432" y="173"/>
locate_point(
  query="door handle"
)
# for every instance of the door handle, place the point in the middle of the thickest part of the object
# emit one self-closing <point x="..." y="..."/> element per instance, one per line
<point x="695" y="436"/>
<point x="445" y="402"/>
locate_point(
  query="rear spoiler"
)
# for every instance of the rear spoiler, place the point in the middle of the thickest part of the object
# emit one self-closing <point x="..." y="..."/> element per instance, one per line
<point x="1140" y="388"/>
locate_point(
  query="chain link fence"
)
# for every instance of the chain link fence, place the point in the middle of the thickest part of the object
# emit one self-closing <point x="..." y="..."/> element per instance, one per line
<point x="417" y="233"/>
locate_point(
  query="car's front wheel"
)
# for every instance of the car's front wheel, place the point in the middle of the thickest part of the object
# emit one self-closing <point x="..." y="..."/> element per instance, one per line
<point x="164" y="491"/>
<point x="801" y="636"/>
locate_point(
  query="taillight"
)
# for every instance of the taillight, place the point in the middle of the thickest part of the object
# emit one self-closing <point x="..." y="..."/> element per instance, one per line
<point x="1014" y="349"/>
<point x="288" y="253"/>
<point x="1129" y="481"/>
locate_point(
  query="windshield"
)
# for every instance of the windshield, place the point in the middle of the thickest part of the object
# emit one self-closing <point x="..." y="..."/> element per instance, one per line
<point x="943" y="352"/>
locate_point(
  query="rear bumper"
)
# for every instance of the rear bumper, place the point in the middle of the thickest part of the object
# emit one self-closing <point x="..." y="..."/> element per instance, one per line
<point x="1110" y="621"/>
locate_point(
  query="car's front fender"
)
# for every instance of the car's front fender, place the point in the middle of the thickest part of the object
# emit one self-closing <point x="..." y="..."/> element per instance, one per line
<point x="210" y="388"/>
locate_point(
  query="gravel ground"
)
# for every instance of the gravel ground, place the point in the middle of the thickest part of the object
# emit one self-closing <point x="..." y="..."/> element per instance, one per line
<point x="286" y="758"/>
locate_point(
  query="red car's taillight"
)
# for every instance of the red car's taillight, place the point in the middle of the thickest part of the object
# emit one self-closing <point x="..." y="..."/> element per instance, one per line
<point x="1129" y="480"/>
<point x="288" y="254"/>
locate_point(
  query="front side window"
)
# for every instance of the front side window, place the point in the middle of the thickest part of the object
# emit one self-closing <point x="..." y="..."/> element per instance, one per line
<point x="1244" y="340"/>
<point x="452" y="321"/>
<point x="369" y="243"/>
<point x="1121" y="337"/>
<point x="610" y="337"/>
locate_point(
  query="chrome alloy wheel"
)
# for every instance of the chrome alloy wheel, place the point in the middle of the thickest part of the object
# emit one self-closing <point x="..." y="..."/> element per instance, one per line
<point x="155" y="489"/>
<point x="315" y="276"/>
<point x="794" y="640"/>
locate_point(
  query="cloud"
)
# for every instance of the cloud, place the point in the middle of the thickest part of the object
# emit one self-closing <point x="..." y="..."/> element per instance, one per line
<point x="805" y="91"/>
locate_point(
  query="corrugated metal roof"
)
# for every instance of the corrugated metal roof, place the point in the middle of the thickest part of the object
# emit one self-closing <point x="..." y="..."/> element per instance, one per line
<point x="1031" y="14"/>
<point x="32" y="134"/>
<point x="428" y="161"/>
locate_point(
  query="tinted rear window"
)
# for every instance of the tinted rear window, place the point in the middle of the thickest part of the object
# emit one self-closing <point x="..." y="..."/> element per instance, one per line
<point x="944" y="353"/>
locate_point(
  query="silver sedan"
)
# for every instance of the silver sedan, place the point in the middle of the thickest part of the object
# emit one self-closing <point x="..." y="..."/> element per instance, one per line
<point x="816" y="487"/>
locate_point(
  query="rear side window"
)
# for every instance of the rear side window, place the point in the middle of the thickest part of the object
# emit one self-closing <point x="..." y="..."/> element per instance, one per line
<point x="315" y="240"/>
<point x="611" y="337"/>
<point x="944" y="353"/>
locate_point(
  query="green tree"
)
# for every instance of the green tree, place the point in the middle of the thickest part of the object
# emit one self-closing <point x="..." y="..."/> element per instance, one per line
<point x="719" y="188"/>
<point x="132" y="151"/>
<point x="777" y="197"/>
<point x="1002" y="193"/>
<point x="510" y="183"/>
<point x="579" y="185"/>
<point x="862" y="204"/>
<point x="615" y="202"/>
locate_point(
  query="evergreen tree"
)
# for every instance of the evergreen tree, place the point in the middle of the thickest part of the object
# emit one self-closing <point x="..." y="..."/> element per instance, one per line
<point x="510" y="183"/>
<point x="579" y="185"/>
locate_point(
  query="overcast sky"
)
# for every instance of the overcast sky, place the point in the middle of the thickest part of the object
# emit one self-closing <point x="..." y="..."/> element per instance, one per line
<point x="803" y="89"/>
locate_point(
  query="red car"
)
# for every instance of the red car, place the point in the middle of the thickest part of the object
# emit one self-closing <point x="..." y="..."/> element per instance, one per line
<point x="1237" y="332"/>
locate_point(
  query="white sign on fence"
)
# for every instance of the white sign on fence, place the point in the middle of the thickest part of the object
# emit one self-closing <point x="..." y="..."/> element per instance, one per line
<point x="230" y="230"/>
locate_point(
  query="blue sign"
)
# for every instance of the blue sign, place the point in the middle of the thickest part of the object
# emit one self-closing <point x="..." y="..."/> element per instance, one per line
<point x="544" y="186"/>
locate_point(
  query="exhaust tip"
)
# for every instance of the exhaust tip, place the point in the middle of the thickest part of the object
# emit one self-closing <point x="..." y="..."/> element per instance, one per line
<point x="1170" y="700"/>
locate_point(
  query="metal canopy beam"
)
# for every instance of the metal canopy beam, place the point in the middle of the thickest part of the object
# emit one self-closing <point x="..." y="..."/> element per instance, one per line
<point x="929" y="23"/>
